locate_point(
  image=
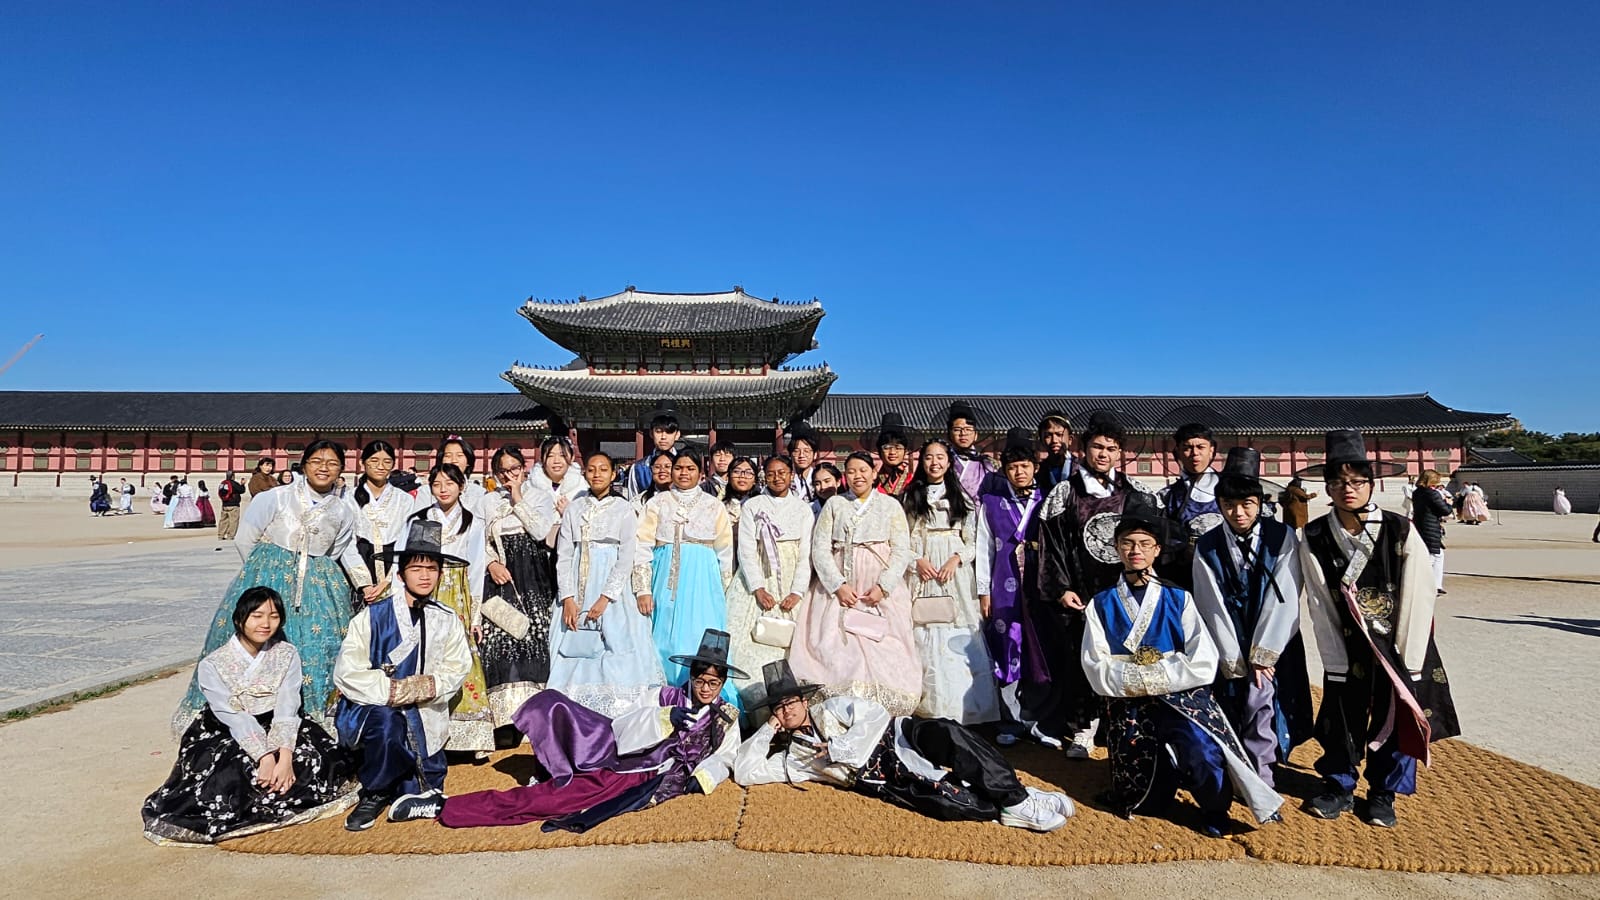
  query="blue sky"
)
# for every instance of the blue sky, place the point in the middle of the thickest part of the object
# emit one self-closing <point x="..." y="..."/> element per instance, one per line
<point x="988" y="198"/>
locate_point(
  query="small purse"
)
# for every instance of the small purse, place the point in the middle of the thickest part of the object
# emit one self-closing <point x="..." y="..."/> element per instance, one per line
<point x="865" y="622"/>
<point x="506" y="617"/>
<point x="933" y="610"/>
<point x="773" y="631"/>
<point x="583" y="642"/>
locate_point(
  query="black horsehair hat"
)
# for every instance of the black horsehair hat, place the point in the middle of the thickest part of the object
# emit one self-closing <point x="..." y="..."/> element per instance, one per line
<point x="1345" y="447"/>
<point x="780" y="683"/>
<point x="891" y="429"/>
<point x="1019" y="441"/>
<point x="425" y="538"/>
<point x="713" y="651"/>
<point x="1241" y="475"/>
<point x="1145" y="517"/>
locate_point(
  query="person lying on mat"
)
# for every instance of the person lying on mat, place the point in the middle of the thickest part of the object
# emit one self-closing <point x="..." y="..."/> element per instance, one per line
<point x="401" y="662"/>
<point x="935" y="767"/>
<point x="675" y="741"/>
<point x="1145" y="649"/>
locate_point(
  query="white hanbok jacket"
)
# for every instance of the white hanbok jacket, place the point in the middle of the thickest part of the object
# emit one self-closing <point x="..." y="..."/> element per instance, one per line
<point x="446" y="656"/>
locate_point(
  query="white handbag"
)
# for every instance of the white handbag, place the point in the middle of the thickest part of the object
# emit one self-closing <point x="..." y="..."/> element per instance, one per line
<point x="773" y="631"/>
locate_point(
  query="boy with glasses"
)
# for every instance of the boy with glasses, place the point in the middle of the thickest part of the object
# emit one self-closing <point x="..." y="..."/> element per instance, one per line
<point x="1370" y="594"/>
<point x="1146" y="651"/>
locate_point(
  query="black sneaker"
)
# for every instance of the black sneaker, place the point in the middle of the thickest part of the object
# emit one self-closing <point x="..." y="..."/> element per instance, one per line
<point x="1330" y="805"/>
<point x="417" y="806"/>
<point x="1380" y="809"/>
<point x="366" y="812"/>
<point x="1215" y="825"/>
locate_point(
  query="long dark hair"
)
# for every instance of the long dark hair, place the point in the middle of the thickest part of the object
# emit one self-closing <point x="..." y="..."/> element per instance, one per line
<point x="250" y="601"/>
<point x="466" y="448"/>
<point x="512" y="450"/>
<point x="915" y="500"/>
<point x="755" y="488"/>
<point x="452" y="472"/>
<point x="373" y="448"/>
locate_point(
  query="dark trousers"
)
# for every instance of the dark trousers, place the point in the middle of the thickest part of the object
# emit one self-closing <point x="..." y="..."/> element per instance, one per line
<point x="1352" y="713"/>
<point x="392" y="760"/>
<point x="979" y="784"/>
<point x="1199" y="767"/>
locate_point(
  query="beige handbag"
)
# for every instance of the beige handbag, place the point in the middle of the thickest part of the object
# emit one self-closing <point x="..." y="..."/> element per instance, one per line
<point x="933" y="610"/>
<point x="508" y="618"/>
<point x="773" y="630"/>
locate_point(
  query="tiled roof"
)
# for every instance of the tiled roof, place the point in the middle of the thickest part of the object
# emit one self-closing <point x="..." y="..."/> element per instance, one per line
<point x="566" y="383"/>
<point x="320" y="412"/>
<point x="1498" y="456"/>
<point x="1408" y="413"/>
<point x="649" y="313"/>
<point x="840" y="413"/>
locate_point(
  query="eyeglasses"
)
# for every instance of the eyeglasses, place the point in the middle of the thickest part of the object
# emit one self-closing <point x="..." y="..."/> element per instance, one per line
<point x="1137" y="545"/>
<point x="706" y="681"/>
<point x="963" y="429"/>
<point x="379" y="464"/>
<point x="324" y="464"/>
<point x="1349" y="484"/>
<point x="514" y="470"/>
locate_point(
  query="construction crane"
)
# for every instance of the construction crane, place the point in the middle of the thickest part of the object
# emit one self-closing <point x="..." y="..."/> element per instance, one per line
<point x="19" y="354"/>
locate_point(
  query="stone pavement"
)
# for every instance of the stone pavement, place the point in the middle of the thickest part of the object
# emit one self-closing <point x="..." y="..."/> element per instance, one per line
<point x="78" y="626"/>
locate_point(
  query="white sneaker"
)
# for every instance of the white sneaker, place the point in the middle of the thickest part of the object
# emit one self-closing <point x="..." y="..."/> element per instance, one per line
<point x="1082" y="744"/>
<point x="1056" y="800"/>
<point x="1041" y="737"/>
<point x="1034" y="814"/>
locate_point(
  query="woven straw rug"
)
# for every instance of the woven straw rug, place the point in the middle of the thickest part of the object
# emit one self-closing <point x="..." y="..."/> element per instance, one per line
<point x="1476" y="812"/>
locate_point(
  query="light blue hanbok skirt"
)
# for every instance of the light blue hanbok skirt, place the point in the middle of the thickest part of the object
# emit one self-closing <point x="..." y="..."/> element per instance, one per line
<point x="628" y="667"/>
<point x="682" y="616"/>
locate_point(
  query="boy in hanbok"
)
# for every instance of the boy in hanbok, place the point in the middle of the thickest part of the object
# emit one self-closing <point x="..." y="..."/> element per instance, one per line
<point x="1247" y="587"/>
<point x="1145" y="649"/>
<point x="935" y="767"/>
<point x="402" y="661"/>
<point x="674" y="741"/>
<point x="1008" y="553"/>
<point x="1370" y="594"/>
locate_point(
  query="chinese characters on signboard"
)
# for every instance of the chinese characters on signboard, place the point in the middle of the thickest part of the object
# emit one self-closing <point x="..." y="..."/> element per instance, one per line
<point x="677" y="343"/>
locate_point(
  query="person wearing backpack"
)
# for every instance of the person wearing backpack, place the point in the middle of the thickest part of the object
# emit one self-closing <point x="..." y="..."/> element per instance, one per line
<point x="230" y="494"/>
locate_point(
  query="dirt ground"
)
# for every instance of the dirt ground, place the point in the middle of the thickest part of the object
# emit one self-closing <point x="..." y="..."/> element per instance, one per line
<point x="1520" y="650"/>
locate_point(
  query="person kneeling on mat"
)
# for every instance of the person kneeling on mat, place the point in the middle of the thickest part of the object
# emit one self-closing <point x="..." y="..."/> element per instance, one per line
<point x="402" y="661"/>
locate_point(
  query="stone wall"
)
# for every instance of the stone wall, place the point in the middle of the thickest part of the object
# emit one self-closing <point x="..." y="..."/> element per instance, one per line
<point x="1533" y="487"/>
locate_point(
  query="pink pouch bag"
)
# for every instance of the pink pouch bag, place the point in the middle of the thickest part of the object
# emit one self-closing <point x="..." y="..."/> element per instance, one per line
<point x="866" y="622"/>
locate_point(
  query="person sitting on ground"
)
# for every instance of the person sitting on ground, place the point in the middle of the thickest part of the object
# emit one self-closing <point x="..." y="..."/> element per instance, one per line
<point x="675" y="741"/>
<point x="1145" y="649"/>
<point x="402" y="661"/>
<point x="250" y="763"/>
<point x="934" y="767"/>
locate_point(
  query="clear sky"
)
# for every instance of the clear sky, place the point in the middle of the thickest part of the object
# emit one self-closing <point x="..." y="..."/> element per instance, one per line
<point x="1278" y="198"/>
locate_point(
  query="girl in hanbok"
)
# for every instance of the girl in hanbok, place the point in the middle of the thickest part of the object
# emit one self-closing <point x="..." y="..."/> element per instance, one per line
<point x="1563" y="506"/>
<point x="957" y="674"/>
<point x="660" y="480"/>
<point x="249" y="763"/>
<point x="171" y="494"/>
<point x="557" y="474"/>
<point x="185" y="507"/>
<point x="460" y="590"/>
<point x="595" y="549"/>
<point x="382" y="509"/>
<point x="1474" y="510"/>
<point x="158" y="501"/>
<point x="740" y="488"/>
<point x="455" y="450"/>
<point x="520" y="591"/>
<point x="684" y="563"/>
<point x="774" y="573"/>
<point x="208" y="516"/>
<point x="299" y="540"/>
<point x="855" y="625"/>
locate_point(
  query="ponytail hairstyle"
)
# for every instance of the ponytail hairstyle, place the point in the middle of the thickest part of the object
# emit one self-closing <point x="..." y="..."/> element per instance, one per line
<point x="452" y="472"/>
<point x="611" y="487"/>
<point x="373" y="448"/>
<point x="466" y="448"/>
<point x="915" y="500"/>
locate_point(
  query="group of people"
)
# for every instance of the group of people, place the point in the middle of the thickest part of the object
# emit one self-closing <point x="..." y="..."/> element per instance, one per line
<point x="891" y="603"/>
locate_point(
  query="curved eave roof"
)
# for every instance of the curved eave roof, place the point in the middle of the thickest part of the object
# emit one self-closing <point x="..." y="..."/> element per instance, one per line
<point x="650" y="314"/>
<point x="327" y="413"/>
<point x="568" y="385"/>
<point x="1309" y="416"/>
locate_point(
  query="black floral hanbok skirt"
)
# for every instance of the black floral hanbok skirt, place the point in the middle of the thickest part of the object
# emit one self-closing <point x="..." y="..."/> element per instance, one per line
<point x="212" y="796"/>
<point x="517" y="668"/>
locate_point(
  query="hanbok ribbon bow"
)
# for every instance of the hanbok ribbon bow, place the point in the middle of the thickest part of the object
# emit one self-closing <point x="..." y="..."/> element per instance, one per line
<point x="768" y="532"/>
<point x="250" y="692"/>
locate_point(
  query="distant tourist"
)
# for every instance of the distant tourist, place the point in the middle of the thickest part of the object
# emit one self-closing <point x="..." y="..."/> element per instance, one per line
<point x="287" y="477"/>
<point x="208" y="516"/>
<point x="261" y="479"/>
<point x="170" y="491"/>
<point x="99" y="497"/>
<point x="230" y="494"/>
<point x="125" y="498"/>
<point x="158" y="501"/>
<point x="1407" y="492"/>
<point x="1562" y="504"/>
<point x="1429" y="511"/>
<point x="1296" y="503"/>
<point x="1474" y="509"/>
<point x="186" y="507"/>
